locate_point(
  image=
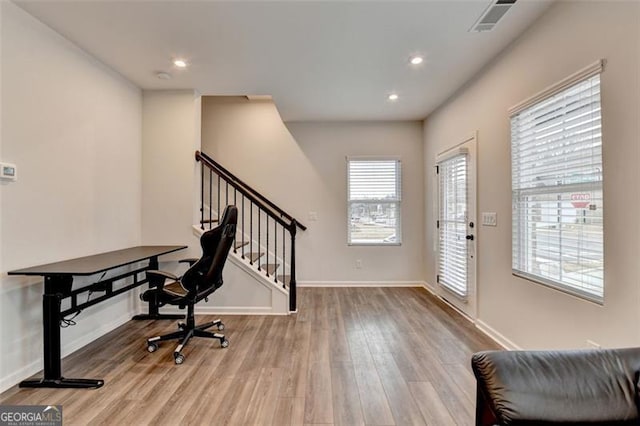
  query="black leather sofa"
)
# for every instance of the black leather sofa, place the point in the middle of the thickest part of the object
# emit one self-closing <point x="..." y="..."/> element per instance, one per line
<point x="578" y="387"/>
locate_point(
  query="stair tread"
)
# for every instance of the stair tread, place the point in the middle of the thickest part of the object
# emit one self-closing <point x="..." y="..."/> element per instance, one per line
<point x="286" y="279"/>
<point x="241" y="243"/>
<point x="253" y="256"/>
<point x="270" y="267"/>
<point x="209" y="221"/>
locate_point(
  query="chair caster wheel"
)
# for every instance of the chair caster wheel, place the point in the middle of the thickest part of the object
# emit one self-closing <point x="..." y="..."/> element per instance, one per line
<point x="224" y="343"/>
<point x="220" y="327"/>
<point x="178" y="358"/>
<point x="152" y="347"/>
<point x="181" y="325"/>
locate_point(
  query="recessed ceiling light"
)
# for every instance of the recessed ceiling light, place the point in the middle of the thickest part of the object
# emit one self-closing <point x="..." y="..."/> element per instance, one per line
<point x="416" y="60"/>
<point x="393" y="97"/>
<point x="180" y="63"/>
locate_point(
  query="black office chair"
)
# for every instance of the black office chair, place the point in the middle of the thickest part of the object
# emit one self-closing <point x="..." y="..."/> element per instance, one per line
<point x="198" y="282"/>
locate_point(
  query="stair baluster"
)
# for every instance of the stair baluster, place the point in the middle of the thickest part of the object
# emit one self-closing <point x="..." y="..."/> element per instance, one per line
<point x="259" y="239"/>
<point x="251" y="234"/>
<point x="202" y="198"/>
<point x="210" y="198"/>
<point x="218" y="209"/>
<point x="243" y="234"/>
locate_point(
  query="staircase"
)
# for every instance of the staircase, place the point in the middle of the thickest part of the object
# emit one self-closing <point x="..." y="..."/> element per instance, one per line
<point x="266" y="234"/>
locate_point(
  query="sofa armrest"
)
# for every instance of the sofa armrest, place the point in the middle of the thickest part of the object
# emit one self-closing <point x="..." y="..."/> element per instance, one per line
<point x="557" y="387"/>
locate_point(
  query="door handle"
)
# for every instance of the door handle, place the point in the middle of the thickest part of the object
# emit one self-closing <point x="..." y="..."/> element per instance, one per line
<point x="469" y="237"/>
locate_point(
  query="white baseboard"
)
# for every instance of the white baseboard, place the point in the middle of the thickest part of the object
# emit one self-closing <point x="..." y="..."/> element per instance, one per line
<point x="35" y="366"/>
<point x="360" y="284"/>
<point x="498" y="337"/>
<point x="227" y="310"/>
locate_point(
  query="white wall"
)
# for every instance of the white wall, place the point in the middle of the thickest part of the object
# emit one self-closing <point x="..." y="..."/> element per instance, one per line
<point x="1" y="237"/>
<point x="301" y="167"/>
<point x="73" y="128"/>
<point x="568" y="37"/>
<point x="171" y="135"/>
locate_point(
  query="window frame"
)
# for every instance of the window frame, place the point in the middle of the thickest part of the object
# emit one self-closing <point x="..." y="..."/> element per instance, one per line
<point x="397" y="202"/>
<point x="519" y="221"/>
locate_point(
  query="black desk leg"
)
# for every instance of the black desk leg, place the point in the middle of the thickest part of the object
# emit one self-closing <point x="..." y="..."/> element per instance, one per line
<point x="51" y="339"/>
<point x="152" y="304"/>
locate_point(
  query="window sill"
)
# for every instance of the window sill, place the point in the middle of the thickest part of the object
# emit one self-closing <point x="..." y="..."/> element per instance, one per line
<point x="374" y="244"/>
<point x="554" y="286"/>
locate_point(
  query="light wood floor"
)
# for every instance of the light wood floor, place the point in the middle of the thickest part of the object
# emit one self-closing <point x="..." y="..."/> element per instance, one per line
<point x="351" y="356"/>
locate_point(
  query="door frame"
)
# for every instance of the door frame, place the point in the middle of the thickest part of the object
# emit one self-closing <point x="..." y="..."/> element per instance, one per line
<point x="468" y="306"/>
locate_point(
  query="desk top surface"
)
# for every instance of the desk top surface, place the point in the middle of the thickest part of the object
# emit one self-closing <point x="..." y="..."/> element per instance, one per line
<point x="97" y="263"/>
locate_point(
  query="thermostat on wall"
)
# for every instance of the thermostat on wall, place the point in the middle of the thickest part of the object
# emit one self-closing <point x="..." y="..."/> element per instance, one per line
<point x="8" y="172"/>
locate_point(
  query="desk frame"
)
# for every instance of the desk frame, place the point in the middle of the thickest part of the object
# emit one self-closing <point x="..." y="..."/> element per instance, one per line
<point x="58" y="287"/>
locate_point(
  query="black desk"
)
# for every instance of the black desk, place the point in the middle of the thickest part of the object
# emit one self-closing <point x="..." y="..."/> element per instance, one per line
<point x="58" y="281"/>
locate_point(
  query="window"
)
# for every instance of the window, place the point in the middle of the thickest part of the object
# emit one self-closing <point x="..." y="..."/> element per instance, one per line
<point x="556" y="159"/>
<point x="374" y="195"/>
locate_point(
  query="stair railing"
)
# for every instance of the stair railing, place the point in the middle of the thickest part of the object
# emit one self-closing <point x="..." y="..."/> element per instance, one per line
<point x="263" y="220"/>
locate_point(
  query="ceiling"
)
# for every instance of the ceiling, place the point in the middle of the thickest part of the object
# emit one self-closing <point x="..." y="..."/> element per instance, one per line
<point x="321" y="60"/>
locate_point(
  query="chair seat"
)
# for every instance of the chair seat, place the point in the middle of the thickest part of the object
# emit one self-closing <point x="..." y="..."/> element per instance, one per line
<point x="175" y="289"/>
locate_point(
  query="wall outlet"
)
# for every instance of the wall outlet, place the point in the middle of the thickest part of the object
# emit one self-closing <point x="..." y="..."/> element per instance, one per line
<point x="489" y="219"/>
<point x="358" y="263"/>
<point x="313" y="216"/>
<point x="593" y="345"/>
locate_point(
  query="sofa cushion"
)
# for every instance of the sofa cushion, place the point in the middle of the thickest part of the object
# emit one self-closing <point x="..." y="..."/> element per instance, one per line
<point x="559" y="386"/>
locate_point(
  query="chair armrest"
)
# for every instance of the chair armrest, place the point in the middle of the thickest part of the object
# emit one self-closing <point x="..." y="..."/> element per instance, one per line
<point x="152" y="273"/>
<point x="190" y="260"/>
<point x="156" y="283"/>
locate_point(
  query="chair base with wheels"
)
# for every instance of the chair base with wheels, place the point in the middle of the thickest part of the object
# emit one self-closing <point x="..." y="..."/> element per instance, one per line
<point x="186" y="332"/>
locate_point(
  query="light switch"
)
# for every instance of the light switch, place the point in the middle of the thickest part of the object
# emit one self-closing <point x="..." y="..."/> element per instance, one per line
<point x="489" y="219"/>
<point x="8" y="172"/>
<point x="313" y="216"/>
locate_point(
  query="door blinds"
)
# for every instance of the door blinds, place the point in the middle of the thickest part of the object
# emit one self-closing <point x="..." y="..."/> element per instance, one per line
<point x="453" y="265"/>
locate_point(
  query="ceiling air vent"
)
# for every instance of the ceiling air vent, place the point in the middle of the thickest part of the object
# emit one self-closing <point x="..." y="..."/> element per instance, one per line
<point x="492" y="15"/>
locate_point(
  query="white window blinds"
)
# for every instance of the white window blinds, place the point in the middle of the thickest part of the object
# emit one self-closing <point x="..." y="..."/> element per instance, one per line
<point x="374" y="196"/>
<point x="556" y="154"/>
<point x="453" y="191"/>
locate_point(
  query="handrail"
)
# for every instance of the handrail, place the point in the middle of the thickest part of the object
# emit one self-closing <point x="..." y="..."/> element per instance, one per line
<point x="201" y="156"/>
<point x="258" y="203"/>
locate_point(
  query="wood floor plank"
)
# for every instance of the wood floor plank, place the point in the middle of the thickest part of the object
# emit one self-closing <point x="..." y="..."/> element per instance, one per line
<point x="289" y="412"/>
<point x="295" y="381"/>
<point x="403" y="406"/>
<point x="378" y="356"/>
<point x="373" y="399"/>
<point x="262" y="404"/>
<point x="318" y="398"/>
<point x="346" y="402"/>
<point x="433" y="409"/>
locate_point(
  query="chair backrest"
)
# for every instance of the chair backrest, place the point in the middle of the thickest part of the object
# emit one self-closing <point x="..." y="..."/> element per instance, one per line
<point x="206" y="274"/>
